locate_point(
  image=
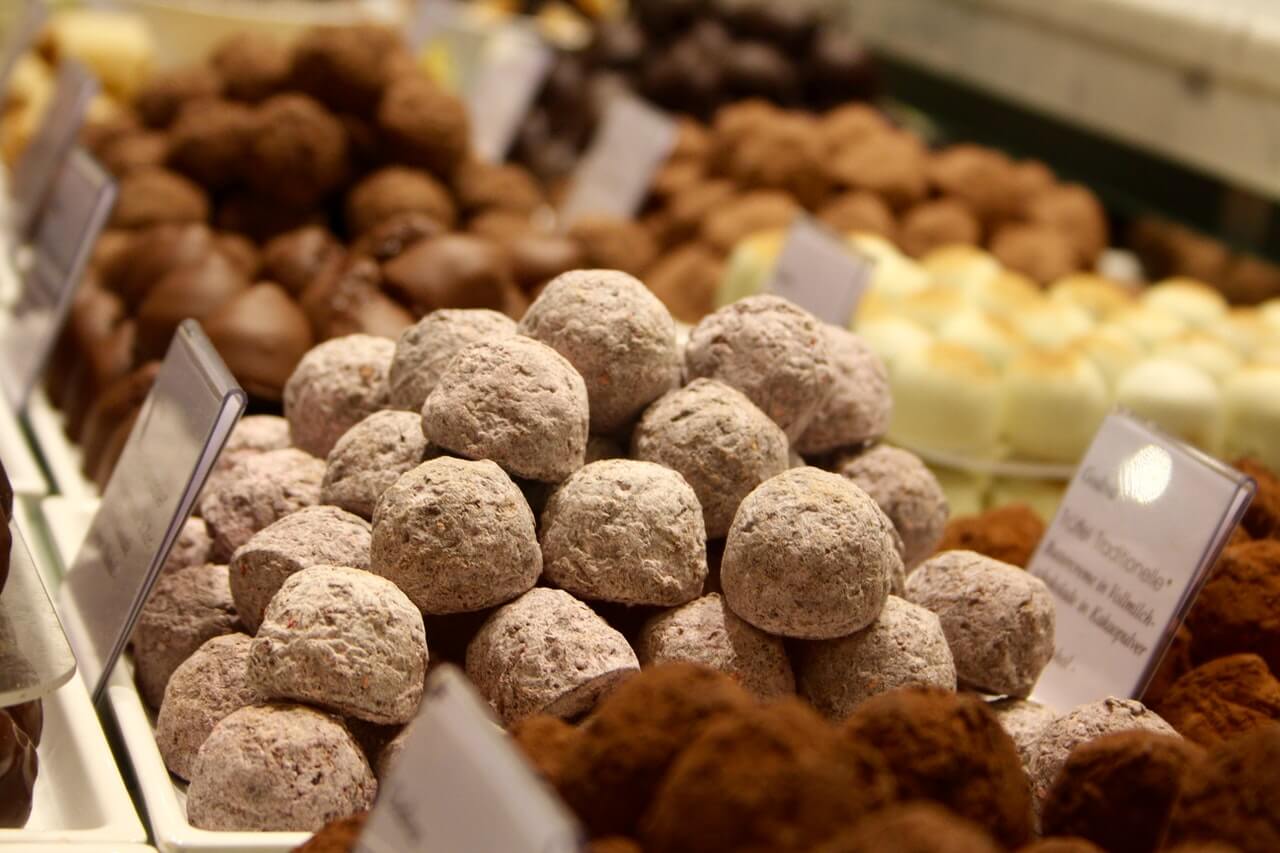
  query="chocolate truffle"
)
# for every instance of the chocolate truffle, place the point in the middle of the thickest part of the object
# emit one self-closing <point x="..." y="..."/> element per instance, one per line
<point x="343" y="639"/>
<point x="157" y="196"/>
<point x="426" y="349"/>
<point x="312" y="536"/>
<point x="387" y="240"/>
<point x="423" y="125"/>
<point x="298" y="151"/>
<point x="208" y="686"/>
<point x="733" y="220"/>
<point x="909" y="494"/>
<point x="186" y="608"/>
<point x="193" y="547"/>
<point x="706" y="632"/>
<point x="893" y="165"/>
<point x="625" y="531"/>
<point x="370" y="457"/>
<point x="861" y="212"/>
<point x="546" y="652"/>
<point x="717" y="440"/>
<point x="1236" y="610"/>
<point x="1075" y="212"/>
<point x="353" y="303"/>
<point x="535" y="259"/>
<point x="253" y="65"/>
<point x="18" y="766"/>
<point x="153" y="253"/>
<point x="397" y="189"/>
<point x="1007" y="533"/>
<point x="335" y="386"/>
<point x="451" y="271"/>
<point x="1118" y="791"/>
<point x="194" y="292"/>
<point x="949" y="748"/>
<point x="998" y="619"/>
<point x="1023" y="720"/>
<point x="515" y="401"/>
<point x="209" y="142"/>
<point x="338" y="836"/>
<point x="164" y="95"/>
<point x="615" y="333"/>
<point x="785" y="155"/>
<point x="1222" y="699"/>
<point x="983" y="180"/>
<point x="277" y="767"/>
<point x="686" y="210"/>
<point x="614" y="244"/>
<point x="1061" y="737"/>
<point x="296" y="258"/>
<point x="858" y="405"/>
<point x="456" y="536"/>
<point x="252" y="435"/>
<point x="1236" y="797"/>
<point x="1042" y="253"/>
<point x="263" y="217"/>
<point x="621" y="754"/>
<point x="686" y="281"/>
<point x="903" y="647"/>
<point x="481" y="186"/>
<point x="772" y="351"/>
<point x="261" y="334"/>
<point x="266" y="488"/>
<point x="776" y="777"/>
<point x="347" y="67"/>
<point x="810" y="556"/>
<point x="134" y="152"/>
<point x="545" y="741"/>
<point x="913" y="828"/>
<point x="1262" y="518"/>
<point x="934" y="224"/>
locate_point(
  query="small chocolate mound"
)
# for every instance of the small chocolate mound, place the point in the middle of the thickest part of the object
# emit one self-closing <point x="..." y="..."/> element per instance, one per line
<point x="1222" y="699"/>
<point x="1009" y="533"/>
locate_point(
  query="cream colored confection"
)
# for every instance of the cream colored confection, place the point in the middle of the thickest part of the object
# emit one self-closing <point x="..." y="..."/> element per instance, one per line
<point x="1005" y="294"/>
<point x="1251" y="404"/>
<point x="1269" y="311"/>
<point x="890" y="337"/>
<point x="1052" y="324"/>
<point x="1113" y="349"/>
<point x="1053" y="404"/>
<point x="1203" y="351"/>
<point x="979" y="331"/>
<point x="933" y="306"/>
<point x="895" y="274"/>
<point x="1100" y="296"/>
<point x="946" y="397"/>
<point x="1244" y="330"/>
<point x="959" y="266"/>
<point x="117" y="47"/>
<point x="1195" y="302"/>
<point x="1176" y="396"/>
<point x="1150" y="324"/>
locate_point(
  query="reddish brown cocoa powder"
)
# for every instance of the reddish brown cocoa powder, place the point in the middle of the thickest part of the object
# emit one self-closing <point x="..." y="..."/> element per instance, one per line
<point x="1009" y="533"/>
<point x="913" y="828"/>
<point x="545" y="741"/>
<point x="1236" y="610"/>
<point x="1222" y="699"/>
<point x="1061" y="845"/>
<point x="1262" y="518"/>
<point x="336" y="837"/>
<point x="1119" y="790"/>
<point x="1175" y="664"/>
<point x="614" y="844"/>
<point x="950" y="749"/>
<point x="1237" y="798"/>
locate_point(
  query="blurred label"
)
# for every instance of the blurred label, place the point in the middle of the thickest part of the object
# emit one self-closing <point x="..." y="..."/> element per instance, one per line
<point x="512" y="68"/>
<point x="74" y="216"/>
<point x="20" y="31"/>
<point x="181" y="429"/>
<point x="1138" y="531"/>
<point x="820" y="272"/>
<point x="613" y="178"/>
<point x="460" y="784"/>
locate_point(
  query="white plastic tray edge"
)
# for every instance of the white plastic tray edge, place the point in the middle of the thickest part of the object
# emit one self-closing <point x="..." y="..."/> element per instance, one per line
<point x="68" y="521"/>
<point x="25" y="474"/>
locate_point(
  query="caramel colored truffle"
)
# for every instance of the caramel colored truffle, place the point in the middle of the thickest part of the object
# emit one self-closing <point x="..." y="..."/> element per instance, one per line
<point x="209" y="142"/>
<point x="393" y="190"/>
<point x="1007" y="533"/>
<point x="1222" y="699"/>
<point x="451" y="271"/>
<point x="164" y="95"/>
<point x="261" y="334"/>
<point x="156" y="196"/>
<point x="686" y="209"/>
<point x="335" y="386"/>
<point x="481" y="186"/>
<point x="253" y="65"/>
<point x="785" y="155"/>
<point x="1038" y="251"/>
<point x="298" y="153"/>
<point x="858" y="212"/>
<point x="1075" y="212"/>
<point x="984" y="180"/>
<point x="893" y="165"/>
<point x="614" y="244"/>
<point x="686" y="280"/>
<point x="348" y="67"/>
<point x="545" y="741"/>
<point x="1235" y="798"/>
<point x="423" y="125"/>
<point x="1236" y="609"/>
<point x="913" y="828"/>
<point x="739" y="218"/>
<point x="934" y="224"/>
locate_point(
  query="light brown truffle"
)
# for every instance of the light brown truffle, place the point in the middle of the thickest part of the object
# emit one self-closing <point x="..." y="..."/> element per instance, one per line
<point x="859" y="212"/>
<point x="614" y="244"/>
<point x="209" y="142"/>
<point x="909" y="494"/>
<point x="253" y="65"/>
<point x="370" y="457"/>
<point x="150" y="197"/>
<point x="166" y="92"/>
<point x="893" y="165"/>
<point x="515" y="401"/>
<point x="736" y="219"/>
<point x="810" y="556"/>
<point x="193" y="547"/>
<point x="1023" y="720"/>
<point x="545" y="741"/>
<point x="718" y="440"/>
<point x="686" y="279"/>
<point x="1037" y="251"/>
<point x="426" y="348"/>
<point x="1235" y="799"/>
<point x="336" y="385"/>
<point x="1222" y="699"/>
<point x="984" y="179"/>
<point x="918" y="827"/>
<point x="312" y="536"/>
<point x="934" y="224"/>
<point x="423" y="125"/>
<point x="1075" y="212"/>
<point x="546" y="652"/>
<point x="456" y="536"/>
<point x="858" y="404"/>
<point x="264" y="488"/>
<point x="298" y="151"/>
<point x="396" y="190"/>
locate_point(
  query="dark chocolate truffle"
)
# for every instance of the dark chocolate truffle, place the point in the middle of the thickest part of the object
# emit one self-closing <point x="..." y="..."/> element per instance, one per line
<point x="347" y="67"/>
<point x="298" y="153"/>
<point x="396" y="190"/>
<point x="423" y="125"/>
<point x="192" y="292"/>
<point x="163" y="96"/>
<point x="209" y="141"/>
<point x="152" y="254"/>
<point x="261" y="334"/>
<point x="294" y="259"/>
<point x="451" y="271"/>
<point x="134" y="152"/>
<point x="155" y="196"/>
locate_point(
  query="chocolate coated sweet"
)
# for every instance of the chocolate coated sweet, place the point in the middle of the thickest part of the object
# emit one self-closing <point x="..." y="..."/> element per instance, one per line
<point x="262" y="335"/>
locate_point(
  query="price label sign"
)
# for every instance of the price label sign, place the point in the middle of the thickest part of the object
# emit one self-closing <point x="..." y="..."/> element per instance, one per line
<point x="181" y="429"/>
<point x="459" y="784"/>
<point x="22" y="31"/>
<point x="820" y="272"/>
<point x="41" y="160"/>
<point x="513" y="66"/>
<point x="614" y="176"/>
<point x="1134" y="540"/>
<point x="76" y="213"/>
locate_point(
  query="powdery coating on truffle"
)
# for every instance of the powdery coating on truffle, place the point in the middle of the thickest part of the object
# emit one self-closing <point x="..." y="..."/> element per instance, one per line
<point x="426" y="348"/>
<point x="810" y="556"/>
<point x="1082" y="725"/>
<point x="909" y="494"/>
<point x="336" y="385"/>
<point x="718" y="440"/>
<point x="515" y="401"/>
<point x="1023" y="720"/>
<point x="277" y="767"/>
<point x="313" y="536"/>
<point x="185" y="608"/>
<point x="625" y="531"/>
<point x="1236" y="799"/>
<point x="705" y="631"/>
<point x="998" y="619"/>
<point x="456" y="536"/>
<point x="859" y="405"/>
<point x="208" y="686"/>
<point x="614" y="332"/>
<point x="546" y="652"/>
<point x="370" y="457"/>
<point x="265" y="488"/>
<point x="770" y="350"/>
<point x="904" y="647"/>
<point x="914" y="828"/>
<point x="194" y="546"/>
<point x="256" y="434"/>
<point x="343" y="639"/>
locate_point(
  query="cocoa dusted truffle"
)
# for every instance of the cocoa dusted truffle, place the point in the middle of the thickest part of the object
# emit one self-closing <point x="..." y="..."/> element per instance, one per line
<point x="706" y="632"/>
<point x="909" y="494"/>
<point x="1236" y="610"/>
<point x="858" y="405"/>
<point x="686" y="280"/>
<point x="394" y="190"/>
<point x="806" y="785"/>
<point x="1236" y="796"/>
<point x="481" y="186"/>
<point x="298" y="153"/>
<point x="614" y="244"/>
<point x="451" y="271"/>
<point x="892" y="164"/>
<point x="253" y="66"/>
<point x="546" y="652"/>
<point x="1075" y="212"/>
<point x="949" y="748"/>
<point x="312" y="536"/>
<point x="157" y="196"/>
<point x="370" y="457"/>
<point x="1007" y="533"/>
<point x="164" y="95"/>
<point x="278" y="767"/>
<point x="193" y="547"/>
<point x="810" y="556"/>
<point x="984" y="180"/>
<point x="252" y="435"/>
<point x="1037" y="251"/>
<point x="934" y="224"/>
<point x="335" y="386"/>
<point x="209" y="142"/>
<point x="718" y="440"/>
<point x="1262" y="518"/>
<point x="343" y="639"/>
<point x="545" y="740"/>
<point x="1222" y="699"/>
<point x="134" y="152"/>
<point x="860" y="212"/>
<point x="913" y="828"/>
<point x="426" y="348"/>
<point x="423" y="125"/>
<point x="515" y="401"/>
<point x="615" y="333"/>
<point x="348" y="67"/>
<point x="456" y="536"/>
<point x="738" y="218"/>
<point x="1023" y="720"/>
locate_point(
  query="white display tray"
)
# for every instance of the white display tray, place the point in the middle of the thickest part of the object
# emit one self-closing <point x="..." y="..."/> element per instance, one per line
<point x="164" y="797"/>
<point x="78" y="848"/>
<point x="20" y="463"/>
<point x="59" y="454"/>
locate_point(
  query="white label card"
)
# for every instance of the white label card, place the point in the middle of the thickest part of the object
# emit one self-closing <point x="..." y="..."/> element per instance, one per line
<point x="820" y="272"/>
<point x="75" y="214"/>
<point x="180" y="431"/>
<point x="513" y="66"/>
<point x="23" y="27"/>
<point x="460" y="784"/>
<point x="1138" y="531"/>
<point x="46" y="152"/>
<point x="613" y="178"/>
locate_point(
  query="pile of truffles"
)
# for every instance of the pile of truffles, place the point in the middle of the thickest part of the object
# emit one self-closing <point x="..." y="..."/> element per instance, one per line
<point x="1168" y="249"/>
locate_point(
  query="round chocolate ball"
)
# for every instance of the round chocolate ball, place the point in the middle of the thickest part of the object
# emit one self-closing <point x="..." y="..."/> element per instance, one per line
<point x="298" y="151"/>
<point x="858" y="405"/>
<point x="426" y="349"/>
<point x="423" y="125"/>
<point x="451" y="271"/>
<point x="209" y="142"/>
<point x="261" y="334"/>
<point x="394" y="190"/>
<point x="909" y="494"/>
<point x="157" y="196"/>
<point x="370" y="457"/>
<point x="335" y="386"/>
<point x="253" y="65"/>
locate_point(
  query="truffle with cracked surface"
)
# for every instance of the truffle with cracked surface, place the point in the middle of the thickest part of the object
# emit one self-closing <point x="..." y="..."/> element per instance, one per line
<point x="426" y="348"/>
<point x="1023" y="720"/>
<point x="370" y="457"/>
<point x="1234" y="800"/>
<point x="909" y="494"/>
<point x="336" y="385"/>
<point x="263" y="489"/>
<point x="859" y="405"/>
